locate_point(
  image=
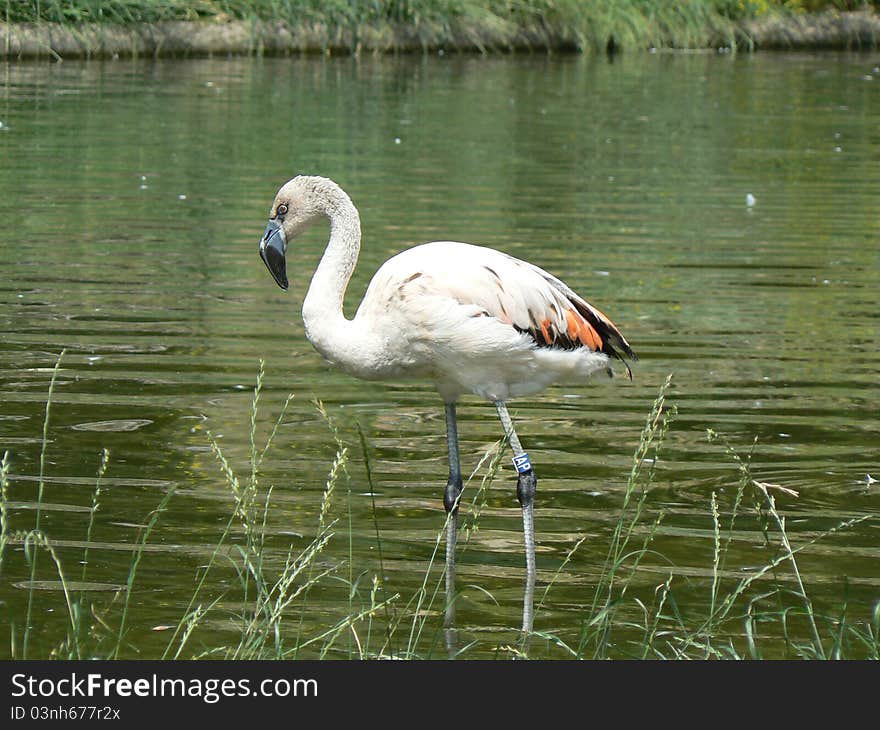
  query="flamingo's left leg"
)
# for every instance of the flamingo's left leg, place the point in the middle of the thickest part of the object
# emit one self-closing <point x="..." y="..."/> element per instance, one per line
<point x="526" y="485"/>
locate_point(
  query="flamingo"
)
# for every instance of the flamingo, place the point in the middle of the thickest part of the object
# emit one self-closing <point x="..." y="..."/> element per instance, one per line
<point x="469" y="318"/>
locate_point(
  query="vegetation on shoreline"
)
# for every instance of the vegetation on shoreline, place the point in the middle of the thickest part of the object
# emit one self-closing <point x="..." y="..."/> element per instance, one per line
<point x="413" y="12"/>
<point x="749" y="612"/>
<point x="459" y="24"/>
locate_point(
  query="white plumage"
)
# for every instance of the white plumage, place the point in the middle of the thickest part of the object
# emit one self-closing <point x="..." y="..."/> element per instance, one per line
<point x="461" y="314"/>
<point x="469" y="318"/>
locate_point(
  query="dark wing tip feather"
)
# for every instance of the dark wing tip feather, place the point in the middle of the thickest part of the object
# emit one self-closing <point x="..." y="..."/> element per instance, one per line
<point x="612" y="339"/>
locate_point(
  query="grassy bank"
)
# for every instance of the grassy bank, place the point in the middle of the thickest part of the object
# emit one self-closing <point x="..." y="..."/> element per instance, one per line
<point x="183" y="27"/>
<point x="748" y="612"/>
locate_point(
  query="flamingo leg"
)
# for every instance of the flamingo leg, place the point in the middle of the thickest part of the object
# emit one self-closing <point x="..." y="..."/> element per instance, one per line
<point x="526" y="485"/>
<point x="451" y="499"/>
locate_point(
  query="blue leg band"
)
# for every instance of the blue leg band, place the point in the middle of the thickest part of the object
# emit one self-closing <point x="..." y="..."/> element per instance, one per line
<point x="522" y="463"/>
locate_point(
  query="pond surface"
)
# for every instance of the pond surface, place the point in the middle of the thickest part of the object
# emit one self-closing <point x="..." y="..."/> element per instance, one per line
<point x="132" y="199"/>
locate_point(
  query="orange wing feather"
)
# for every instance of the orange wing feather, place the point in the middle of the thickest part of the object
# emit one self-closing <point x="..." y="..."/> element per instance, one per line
<point x="599" y="335"/>
<point x="544" y="331"/>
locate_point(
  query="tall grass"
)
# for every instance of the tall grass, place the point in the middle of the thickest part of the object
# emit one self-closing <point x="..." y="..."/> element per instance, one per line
<point x="735" y="607"/>
<point x="623" y="560"/>
<point x="267" y="612"/>
<point x="39" y="539"/>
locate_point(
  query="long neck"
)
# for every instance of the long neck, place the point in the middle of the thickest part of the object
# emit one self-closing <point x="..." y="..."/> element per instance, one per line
<point x="326" y="326"/>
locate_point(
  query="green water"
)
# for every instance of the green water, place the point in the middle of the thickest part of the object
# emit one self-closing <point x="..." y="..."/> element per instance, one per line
<point x="132" y="198"/>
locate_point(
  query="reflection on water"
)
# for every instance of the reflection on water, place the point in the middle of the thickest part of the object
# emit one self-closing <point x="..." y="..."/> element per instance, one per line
<point x="132" y="197"/>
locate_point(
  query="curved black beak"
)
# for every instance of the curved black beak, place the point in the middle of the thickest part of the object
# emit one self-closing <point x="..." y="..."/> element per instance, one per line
<point x="272" y="249"/>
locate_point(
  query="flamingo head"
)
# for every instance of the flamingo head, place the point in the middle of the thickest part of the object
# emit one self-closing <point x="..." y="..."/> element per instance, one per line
<point x="295" y="208"/>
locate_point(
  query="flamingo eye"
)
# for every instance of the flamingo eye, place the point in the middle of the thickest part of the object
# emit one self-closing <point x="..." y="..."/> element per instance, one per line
<point x="281" y="209"/>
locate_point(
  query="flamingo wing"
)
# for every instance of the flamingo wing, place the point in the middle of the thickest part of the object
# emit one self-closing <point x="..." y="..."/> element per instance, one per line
<point x="519" y="294"/>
